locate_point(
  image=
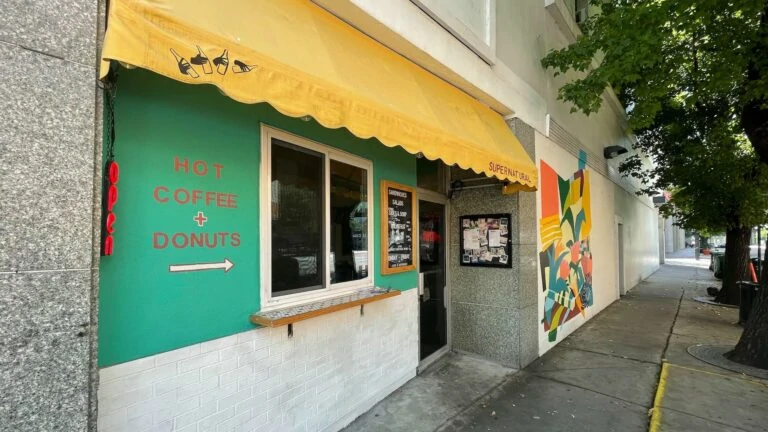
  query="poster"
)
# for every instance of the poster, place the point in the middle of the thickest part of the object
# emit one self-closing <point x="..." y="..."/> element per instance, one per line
<point x="472" y="238"/>
<point x="485" y="240"/>
<point x="494" y="238"/>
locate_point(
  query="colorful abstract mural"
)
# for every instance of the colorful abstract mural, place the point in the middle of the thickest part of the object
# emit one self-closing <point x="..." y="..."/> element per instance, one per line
<point x="565" y="256"/>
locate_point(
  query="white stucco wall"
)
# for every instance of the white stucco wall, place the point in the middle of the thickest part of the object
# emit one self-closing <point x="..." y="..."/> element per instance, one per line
<point x="641" y="236"/>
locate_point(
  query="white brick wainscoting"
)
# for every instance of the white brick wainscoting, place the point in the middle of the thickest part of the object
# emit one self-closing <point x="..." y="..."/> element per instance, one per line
<point x="334" y="368"/>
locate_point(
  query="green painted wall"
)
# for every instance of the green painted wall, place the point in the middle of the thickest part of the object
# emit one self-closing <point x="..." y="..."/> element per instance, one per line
<point x="145" y="309"/>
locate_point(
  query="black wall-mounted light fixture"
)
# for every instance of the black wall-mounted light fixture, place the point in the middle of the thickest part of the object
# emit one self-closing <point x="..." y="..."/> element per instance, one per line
<point x="456" y="186"/>
<point x="611" y="152"/>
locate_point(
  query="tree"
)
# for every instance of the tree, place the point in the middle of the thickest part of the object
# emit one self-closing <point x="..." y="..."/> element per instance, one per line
<point x="694" y="76"/>
<point x="717" y="181"/>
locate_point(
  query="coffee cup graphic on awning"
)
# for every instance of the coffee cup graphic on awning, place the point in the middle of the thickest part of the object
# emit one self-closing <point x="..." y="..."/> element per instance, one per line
<point x="202" y="60"/>
<point x="184" y="66"/>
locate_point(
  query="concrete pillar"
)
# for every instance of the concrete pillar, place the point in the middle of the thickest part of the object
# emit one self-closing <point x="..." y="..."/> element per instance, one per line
<point x="669" y="237"/>
<point x="679" y="238"/>
<point x="49" y="200"/>
<point x="495" y="310"/>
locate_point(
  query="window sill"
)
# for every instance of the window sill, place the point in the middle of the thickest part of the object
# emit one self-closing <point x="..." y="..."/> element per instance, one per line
<point x="314" y="296"/>
<point x="293" y="314"/>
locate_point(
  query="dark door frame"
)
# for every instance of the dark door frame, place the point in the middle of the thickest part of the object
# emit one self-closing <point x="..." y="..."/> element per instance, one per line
<point x="437" y="198"/>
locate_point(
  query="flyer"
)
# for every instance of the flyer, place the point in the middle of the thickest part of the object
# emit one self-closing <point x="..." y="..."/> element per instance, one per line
<point x="472" y="239"/>
<point x="494" y="238"/>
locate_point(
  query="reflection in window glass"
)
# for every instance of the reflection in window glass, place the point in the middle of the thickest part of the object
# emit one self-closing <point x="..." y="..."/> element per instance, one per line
<point x="349" y="222"/>
<point x="297" y="219"/>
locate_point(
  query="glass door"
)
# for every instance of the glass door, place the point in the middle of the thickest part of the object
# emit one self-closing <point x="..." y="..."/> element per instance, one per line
<point x="432" y="279"/>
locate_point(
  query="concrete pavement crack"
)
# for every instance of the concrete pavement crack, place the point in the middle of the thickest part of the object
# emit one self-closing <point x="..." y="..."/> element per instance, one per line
<point x="672" y="326"/>
<point x="587" y="389"/>
<point x="612" y="355"/>
<point x="586" y="368"/>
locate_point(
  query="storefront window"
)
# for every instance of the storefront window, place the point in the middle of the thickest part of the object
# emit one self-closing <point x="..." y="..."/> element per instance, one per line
<point x="317" y="217"/>
<point x="297" y="219"/>
<point x="349" y="222"/>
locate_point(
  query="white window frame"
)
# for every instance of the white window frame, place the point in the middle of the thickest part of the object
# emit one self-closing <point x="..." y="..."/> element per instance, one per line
<point x="577" y="12"/>
<point x="269" y="302"/>
<point x="484" y="46"/>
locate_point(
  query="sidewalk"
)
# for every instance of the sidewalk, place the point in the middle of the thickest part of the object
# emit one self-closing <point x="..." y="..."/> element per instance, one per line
<point x="608" y="375"/>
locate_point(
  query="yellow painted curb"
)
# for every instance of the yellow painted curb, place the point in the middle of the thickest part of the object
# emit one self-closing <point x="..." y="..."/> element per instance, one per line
<point x="656" y="413"/>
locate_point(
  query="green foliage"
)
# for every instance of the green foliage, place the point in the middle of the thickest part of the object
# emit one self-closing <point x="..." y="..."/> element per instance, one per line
<point x="716" y="180"/>
<point x="685" y="71"/>
<point x="652" y="51"/>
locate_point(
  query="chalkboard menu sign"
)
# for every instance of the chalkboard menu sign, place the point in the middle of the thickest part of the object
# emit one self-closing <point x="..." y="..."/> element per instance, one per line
<point x="398" y="243"/>
<point x="484" y="240"/>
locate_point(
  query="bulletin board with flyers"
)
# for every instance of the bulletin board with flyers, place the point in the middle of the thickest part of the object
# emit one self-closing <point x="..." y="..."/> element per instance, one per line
<point x="484" y="241"/>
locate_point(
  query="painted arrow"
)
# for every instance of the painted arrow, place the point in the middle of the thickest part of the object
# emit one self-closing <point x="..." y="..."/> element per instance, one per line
<point x="226" y="266"/>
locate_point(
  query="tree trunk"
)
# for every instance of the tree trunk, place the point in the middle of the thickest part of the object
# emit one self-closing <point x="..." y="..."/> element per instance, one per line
<point x="735" y="264"/>
<point x="754" y="120"/>
<point x="752" y="348"/>
<point x="754" y="117"/>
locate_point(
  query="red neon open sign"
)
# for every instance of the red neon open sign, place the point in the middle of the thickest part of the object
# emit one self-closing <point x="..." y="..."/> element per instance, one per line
<point x="113" y="175"/>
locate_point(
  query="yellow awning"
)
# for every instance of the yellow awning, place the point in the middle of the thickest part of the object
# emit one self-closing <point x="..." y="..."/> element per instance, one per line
<point x="303" y="60"/>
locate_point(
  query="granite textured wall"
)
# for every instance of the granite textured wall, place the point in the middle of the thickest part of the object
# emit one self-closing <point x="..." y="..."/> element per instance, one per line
<point x="528" y="273"/>
<point x="495" y="309"/>
<point x="48" y="149"/>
